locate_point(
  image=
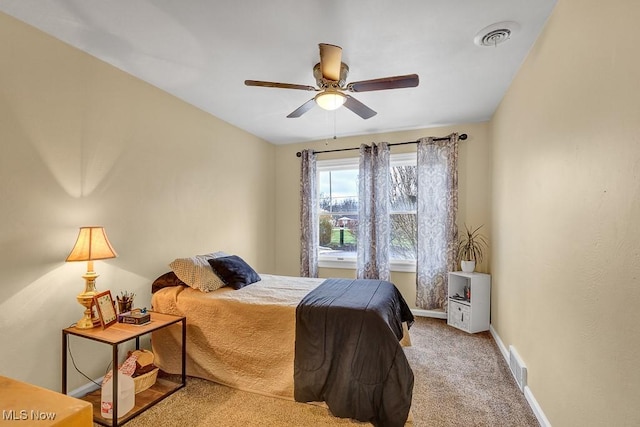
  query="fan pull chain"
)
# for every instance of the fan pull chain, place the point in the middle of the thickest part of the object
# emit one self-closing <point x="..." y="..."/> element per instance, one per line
<point x="326" y="139"/>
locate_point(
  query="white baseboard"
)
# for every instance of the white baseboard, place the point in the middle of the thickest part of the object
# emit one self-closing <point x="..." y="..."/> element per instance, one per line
<point x="85" y="389"/>
<point x="501" y="346"/>
<point x="535" y="407"/>
<point x="429" y="313"/>
<point x="528" y="394"/>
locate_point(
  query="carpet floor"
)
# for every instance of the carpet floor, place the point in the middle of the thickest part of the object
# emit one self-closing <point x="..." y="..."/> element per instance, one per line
<point x="460" y="380"/>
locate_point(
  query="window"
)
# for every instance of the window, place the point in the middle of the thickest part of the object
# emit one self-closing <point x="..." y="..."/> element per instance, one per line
<point x="338" y="212"/>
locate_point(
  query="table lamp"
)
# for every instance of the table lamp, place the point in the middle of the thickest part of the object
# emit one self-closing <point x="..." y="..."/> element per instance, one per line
<point x="92" y="244"/>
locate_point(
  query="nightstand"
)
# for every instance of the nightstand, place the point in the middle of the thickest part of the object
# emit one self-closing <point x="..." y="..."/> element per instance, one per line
<point x="115" y="335"/>
<point x="470" y="312"/>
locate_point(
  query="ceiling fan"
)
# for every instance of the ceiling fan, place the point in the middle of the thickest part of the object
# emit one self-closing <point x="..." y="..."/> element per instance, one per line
<point x="331" y="74"/>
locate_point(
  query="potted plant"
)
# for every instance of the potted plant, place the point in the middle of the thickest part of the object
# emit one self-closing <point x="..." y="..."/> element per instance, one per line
<point x="471" y="247"/>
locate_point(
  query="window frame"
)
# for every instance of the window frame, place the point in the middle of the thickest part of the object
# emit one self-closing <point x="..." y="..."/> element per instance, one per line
<point x="350" y="163"/>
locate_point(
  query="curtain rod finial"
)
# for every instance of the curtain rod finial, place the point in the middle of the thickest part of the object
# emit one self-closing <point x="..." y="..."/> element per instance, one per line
<point x="298" y="154"/>
<point x="463" y="136"/>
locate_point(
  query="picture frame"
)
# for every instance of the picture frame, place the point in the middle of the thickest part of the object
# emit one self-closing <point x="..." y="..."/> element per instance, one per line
<point x="105" y="308"/>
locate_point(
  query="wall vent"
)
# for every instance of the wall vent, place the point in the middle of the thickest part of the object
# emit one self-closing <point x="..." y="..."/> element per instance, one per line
<point x="518" y="369"/>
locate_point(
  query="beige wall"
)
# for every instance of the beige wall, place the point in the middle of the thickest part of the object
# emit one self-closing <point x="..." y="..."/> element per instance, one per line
<point x="566" y="203"/>
<point x="473" y="181"/>
<point x="82" y="143"/>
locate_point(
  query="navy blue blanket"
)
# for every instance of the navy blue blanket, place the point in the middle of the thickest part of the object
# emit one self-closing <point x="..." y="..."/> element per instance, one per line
<point x="347" y="351"/>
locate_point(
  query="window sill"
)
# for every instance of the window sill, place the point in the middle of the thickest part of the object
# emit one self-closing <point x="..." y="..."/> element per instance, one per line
<point x="350" y="264"/>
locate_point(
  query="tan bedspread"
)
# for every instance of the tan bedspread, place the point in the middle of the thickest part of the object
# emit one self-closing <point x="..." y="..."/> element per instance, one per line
<point x="244" y="339"/>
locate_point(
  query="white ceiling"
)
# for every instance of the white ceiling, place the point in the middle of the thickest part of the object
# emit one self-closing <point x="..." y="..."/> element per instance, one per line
<point x="202" y="51"/>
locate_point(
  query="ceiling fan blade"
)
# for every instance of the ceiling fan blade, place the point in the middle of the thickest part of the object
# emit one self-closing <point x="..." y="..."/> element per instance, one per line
<point x="359" y="108"/>
<point x="396" y="82"/>
<point x="302" y="109"/>
<point x="330" y="61"/>
<point x="278" y="85"/>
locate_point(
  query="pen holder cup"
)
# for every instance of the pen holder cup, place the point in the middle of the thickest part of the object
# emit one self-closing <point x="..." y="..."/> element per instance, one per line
<point x="124" y="305"/>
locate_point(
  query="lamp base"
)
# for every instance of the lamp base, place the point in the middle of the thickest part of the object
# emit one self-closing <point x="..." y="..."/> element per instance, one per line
<point x="89" y="320"/>
<point x="85" y="323"/>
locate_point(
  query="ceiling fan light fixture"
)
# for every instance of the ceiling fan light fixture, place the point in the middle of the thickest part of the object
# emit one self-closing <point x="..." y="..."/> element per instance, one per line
<point x="331" y="75"/>
<point x="330" y="100"/>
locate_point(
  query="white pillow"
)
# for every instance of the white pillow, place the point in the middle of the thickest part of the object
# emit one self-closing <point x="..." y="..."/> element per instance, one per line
<point x="197" y="272"/>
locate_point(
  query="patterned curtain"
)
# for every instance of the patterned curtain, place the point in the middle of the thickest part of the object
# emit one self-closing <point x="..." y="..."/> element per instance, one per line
<point x="437" y="208"/>
<point x="309" y="226"/>
<point x="373" y="212"/>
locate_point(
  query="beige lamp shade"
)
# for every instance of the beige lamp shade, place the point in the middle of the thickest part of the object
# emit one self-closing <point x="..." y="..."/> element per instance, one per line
<point x="92" y="244"/>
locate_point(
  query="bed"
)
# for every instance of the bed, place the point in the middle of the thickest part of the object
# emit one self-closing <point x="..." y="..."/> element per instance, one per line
<point x="295" y="338"/>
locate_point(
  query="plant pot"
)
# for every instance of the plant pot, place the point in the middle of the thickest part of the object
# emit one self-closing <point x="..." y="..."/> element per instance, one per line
<point x="468" y="266"/>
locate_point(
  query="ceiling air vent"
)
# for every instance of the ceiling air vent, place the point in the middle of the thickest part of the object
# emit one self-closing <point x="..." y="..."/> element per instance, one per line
<point x="495" y="34"/>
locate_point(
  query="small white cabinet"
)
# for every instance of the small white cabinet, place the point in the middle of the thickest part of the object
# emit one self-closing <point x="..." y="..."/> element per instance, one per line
<point x="469" y="301"/>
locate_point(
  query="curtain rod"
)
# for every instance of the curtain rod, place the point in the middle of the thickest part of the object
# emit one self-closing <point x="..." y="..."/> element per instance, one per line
<point x="461" y="137"/>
